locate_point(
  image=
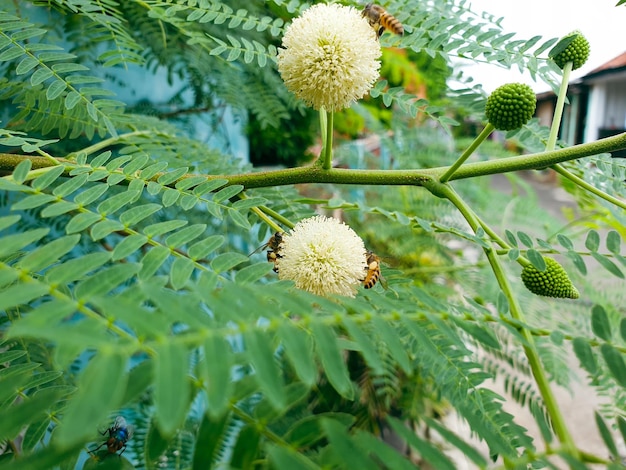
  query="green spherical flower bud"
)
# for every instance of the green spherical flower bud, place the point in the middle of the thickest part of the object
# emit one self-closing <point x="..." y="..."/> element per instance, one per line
<point x="511" y="106"/>
<point x="553" y="282"/>
<point x="576" y="50"/>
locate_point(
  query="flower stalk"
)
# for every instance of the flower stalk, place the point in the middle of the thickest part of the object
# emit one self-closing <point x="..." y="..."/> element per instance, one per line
<point x="558" y="110"/>
<point x="327" y="159"/>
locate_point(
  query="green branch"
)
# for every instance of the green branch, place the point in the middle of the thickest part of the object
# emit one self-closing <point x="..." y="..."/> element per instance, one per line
<point x="418" y="177"/>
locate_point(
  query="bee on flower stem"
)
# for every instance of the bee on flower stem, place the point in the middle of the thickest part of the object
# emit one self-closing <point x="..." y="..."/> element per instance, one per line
<point x="380" y="20"/>
<point x="372" y="270"/>
<point x="119" y="434"/>
<point x="273" y="252"/>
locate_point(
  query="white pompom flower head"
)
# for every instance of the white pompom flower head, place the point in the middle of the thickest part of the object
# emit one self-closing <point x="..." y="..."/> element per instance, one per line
<point x="329" y="57"/>
<point x="323" y="256"/>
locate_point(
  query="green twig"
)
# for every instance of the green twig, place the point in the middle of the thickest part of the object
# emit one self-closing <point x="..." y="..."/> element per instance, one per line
<point x="468" y="152"/>
<point x="275" y="215"/>
<point x="275" y="227"/>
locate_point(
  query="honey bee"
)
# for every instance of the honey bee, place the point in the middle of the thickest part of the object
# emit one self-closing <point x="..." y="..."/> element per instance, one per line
<point x="373" y="270"/>
<point x="273" y="246"/>
<point x="380" y="20"/>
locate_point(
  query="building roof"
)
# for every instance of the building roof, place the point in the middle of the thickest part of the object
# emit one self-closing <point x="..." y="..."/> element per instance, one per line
<point x="616" y="64"/>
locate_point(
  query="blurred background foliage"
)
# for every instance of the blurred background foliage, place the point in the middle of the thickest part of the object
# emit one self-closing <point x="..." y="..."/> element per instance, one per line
<point x="192" y="85"/>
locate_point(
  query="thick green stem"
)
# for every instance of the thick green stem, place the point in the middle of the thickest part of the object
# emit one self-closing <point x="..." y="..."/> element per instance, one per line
<point x="419" y="177"/>
<point x="556" y="417"/>
<point x="468" y="152"/>
<point x="558" y="110"/>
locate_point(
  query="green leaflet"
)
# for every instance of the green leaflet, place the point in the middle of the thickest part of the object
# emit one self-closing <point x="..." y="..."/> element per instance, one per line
<point x="152" y="261"/>
<point x="332" y="360"/>
<point x="163" y="227"/>
<point x="19" y="294"/>
<point x="364" y="341"/>
<point x="45" y="255"/>
<point x="182" y="269"/>
<point x="12" y="243"/>
<point x="261" y="355"/>
<point x="390" y="338"/>
<point x="246" y="448"/>
<point x="49" y="177"/>
<point x="607" y="437"/>
<point x="171" y="387"/>
<point x="136" y="214"/>
<point x="342" y="444"/>
<point x="104" y="228"/>
<point x="21" y="171"/>
<point x="615" y="362"/>
<point x="76" y="268"/>
<point x="600" y="324"/>
<point x="428" y="451"/>
<point x="210" y="434"/>
<point x="252" y="273"/>
<point x="227" y="261"/>
<point x="31" y="409"/>
<point x="106" y="280"/>
<point x="217" y="364"/>
<point x="115" y="203"/>
<point x="298" y="345"/>
<point x="307" y="431"/>
<point x="286" y="458"/>
<point x="102" y="383"/>
<point x="128" y="246"/>
<point x="185" y="235"/>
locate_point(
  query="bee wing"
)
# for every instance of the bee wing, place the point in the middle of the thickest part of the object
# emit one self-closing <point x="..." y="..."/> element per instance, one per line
<point x="262" y="247"/>
<point x="131" y="430"/>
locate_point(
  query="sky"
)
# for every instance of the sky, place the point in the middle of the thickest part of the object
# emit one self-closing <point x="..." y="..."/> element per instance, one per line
<point x="602" y="23"/>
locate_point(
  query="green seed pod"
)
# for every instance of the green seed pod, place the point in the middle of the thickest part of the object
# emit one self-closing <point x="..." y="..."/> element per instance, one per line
<point x="510" y="106"/>
<point x="571" y="48"/>
<point x="553" y="282"/>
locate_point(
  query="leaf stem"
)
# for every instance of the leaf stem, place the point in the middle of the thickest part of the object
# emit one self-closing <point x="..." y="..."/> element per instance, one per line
<point x="558" y="422"/>
<point x="522" y="260"/>
<point x="592" y="189"/>
<point x="107" y="143"/>
<point x="468" y="152"/>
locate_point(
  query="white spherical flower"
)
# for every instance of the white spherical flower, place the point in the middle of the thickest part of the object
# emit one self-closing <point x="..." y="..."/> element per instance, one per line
<point x="324" y="256"/>
<point x="330" y="56"/>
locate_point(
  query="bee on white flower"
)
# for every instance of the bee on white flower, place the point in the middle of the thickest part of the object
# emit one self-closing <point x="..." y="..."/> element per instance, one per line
<point x="329" y="57"/>
<point x="324" y="256"/>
